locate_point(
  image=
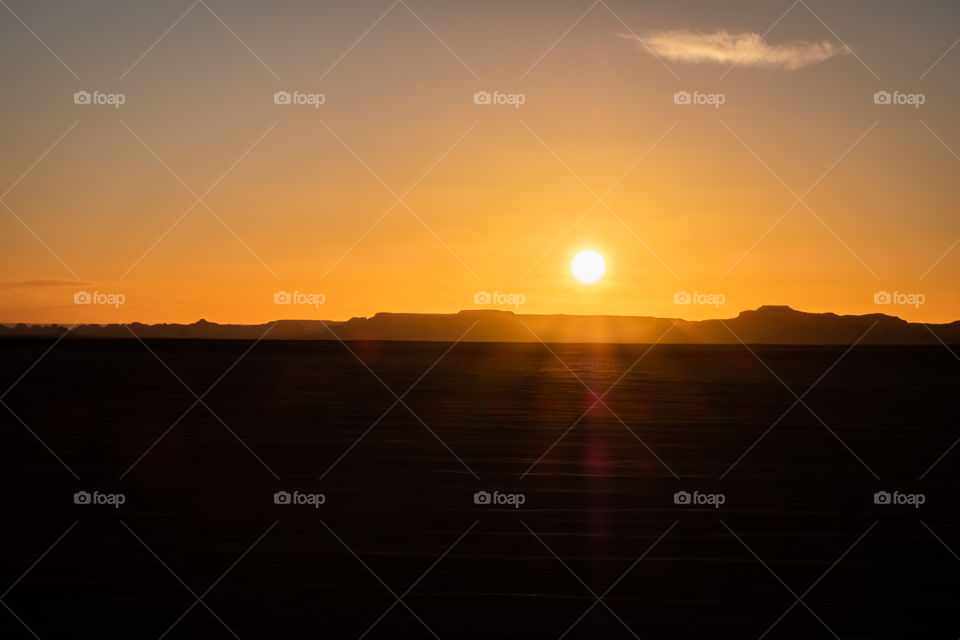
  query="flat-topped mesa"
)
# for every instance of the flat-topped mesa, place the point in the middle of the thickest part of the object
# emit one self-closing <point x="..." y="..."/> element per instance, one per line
<point x="769" y="324"/>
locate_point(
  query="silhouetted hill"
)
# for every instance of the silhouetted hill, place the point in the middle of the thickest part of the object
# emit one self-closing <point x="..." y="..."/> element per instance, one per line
<point x="766" y="325"/>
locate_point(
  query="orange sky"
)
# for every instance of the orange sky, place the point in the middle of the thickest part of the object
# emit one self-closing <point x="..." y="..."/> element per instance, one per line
<point x="500" y="198"/>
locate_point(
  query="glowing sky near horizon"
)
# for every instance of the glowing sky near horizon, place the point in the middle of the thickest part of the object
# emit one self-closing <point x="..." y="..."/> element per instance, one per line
<point x="199" y="196"/>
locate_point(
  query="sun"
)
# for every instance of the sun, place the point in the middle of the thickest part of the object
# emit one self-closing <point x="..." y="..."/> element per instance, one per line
<point x="588" y="266"/>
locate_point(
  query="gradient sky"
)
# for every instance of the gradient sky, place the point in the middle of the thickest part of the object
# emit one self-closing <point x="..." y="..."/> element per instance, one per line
<point x="501" y="197"/>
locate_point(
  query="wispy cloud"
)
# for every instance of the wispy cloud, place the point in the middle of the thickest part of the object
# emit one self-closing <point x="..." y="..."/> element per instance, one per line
<point x="25" y="284"/>
<point x="745" y="49"/>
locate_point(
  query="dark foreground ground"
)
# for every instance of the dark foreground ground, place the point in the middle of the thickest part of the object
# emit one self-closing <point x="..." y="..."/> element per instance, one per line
<point x="197" y="437"/>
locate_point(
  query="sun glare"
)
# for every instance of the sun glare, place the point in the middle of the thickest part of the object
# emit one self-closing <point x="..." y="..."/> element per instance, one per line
<point x="588" y="266"/>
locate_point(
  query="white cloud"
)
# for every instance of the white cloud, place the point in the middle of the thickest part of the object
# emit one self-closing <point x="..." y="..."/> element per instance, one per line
<point x="746" y="49"/>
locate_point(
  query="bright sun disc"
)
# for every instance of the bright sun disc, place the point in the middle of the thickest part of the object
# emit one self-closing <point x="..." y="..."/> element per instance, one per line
<point x="588" y="266"/>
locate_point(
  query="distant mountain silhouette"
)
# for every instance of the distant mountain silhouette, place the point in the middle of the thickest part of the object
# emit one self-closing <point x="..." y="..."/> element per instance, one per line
<point x="766" y="325"/>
